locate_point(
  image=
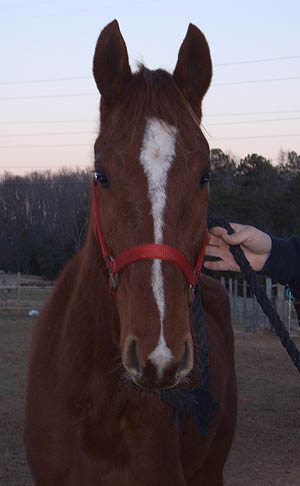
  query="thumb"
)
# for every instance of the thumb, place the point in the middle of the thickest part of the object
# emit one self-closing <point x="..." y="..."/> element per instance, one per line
<point x="236" y="238"/>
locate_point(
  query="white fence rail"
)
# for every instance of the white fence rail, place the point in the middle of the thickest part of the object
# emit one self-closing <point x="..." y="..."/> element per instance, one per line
<point x="247" y="313"/>
<point x="21" y="293"/>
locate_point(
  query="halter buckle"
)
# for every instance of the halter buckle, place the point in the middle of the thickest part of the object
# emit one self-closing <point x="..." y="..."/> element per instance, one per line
<point x="113" y="281"/>
<point x="191" y="294"/>
<point x="113" y="276"/>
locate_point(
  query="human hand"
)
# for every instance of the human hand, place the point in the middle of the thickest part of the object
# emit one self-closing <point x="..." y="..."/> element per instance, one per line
<point x="255" y="243"/>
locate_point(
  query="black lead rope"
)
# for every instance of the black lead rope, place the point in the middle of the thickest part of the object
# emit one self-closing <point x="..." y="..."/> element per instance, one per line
<point x="260" y="294"/>
<point x="197" y="403"/>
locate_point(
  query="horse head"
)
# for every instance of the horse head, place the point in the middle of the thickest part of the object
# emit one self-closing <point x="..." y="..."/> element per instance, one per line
<point x="152" y="170"/>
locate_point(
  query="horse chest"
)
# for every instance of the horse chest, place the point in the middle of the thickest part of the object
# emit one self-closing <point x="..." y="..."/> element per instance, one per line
<point x="135" y="446"/>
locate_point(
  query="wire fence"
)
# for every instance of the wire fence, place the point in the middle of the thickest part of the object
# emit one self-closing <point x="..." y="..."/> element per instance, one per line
<point x="26" y="295"/>
<point x="23" y="294"/>
<point x="247" y="313"/>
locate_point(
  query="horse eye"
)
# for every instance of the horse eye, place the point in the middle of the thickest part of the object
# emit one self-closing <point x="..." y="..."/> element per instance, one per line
<point x="101" y="178"/>
<point x="205" y="179"/>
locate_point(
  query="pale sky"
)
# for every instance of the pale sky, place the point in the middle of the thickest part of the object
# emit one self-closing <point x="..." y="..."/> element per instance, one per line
<point x="43" y="127"/>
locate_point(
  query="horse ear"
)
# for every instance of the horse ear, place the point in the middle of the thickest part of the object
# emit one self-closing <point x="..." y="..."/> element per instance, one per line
<point x="193" y="70"/>
<point x="111" y="66"/>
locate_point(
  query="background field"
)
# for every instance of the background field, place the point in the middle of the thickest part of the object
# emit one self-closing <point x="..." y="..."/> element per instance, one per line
<point x="266" y="449"/>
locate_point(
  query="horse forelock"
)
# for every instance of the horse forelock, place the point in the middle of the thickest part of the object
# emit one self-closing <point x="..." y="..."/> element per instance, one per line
<point x="150" y="93"/>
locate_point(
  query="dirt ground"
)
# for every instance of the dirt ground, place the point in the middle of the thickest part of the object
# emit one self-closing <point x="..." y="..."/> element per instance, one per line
<point x="266" y="450"/>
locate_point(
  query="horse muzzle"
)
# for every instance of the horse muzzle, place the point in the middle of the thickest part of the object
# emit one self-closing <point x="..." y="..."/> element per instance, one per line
<point x="160" y="370"/>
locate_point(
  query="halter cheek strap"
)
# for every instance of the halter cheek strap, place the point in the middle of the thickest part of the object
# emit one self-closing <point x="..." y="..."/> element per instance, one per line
<point x="147" y="251"/>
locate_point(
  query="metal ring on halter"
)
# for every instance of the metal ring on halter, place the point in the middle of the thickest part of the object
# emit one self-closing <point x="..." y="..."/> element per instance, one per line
<point x="191" y="293"/>
<point x="114" y="281"/>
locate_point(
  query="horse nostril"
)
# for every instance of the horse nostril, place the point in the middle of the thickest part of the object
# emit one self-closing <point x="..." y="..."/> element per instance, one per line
<point x="186" y="363"/>
<point x="130" y="358"/>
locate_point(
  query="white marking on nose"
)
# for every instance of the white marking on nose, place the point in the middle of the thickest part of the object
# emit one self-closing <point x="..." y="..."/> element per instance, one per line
<point x="157" y="155"/>
<point x="161" y="356"/>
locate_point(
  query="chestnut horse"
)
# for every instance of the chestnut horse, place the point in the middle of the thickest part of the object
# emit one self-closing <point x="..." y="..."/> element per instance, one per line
<point x="99" y="364"/>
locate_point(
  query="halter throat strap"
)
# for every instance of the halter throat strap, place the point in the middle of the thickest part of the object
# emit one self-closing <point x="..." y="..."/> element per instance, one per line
<point x="147" y="251"/>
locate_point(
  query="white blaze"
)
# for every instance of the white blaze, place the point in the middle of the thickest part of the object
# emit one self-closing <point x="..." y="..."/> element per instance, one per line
<point x="157" y="155"/>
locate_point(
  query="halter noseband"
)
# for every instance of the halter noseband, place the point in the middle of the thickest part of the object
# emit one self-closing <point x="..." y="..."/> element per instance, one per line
<point x="146" y="251"/>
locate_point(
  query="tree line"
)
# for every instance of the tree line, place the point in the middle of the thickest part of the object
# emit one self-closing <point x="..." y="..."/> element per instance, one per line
<point x="44" y="216"/>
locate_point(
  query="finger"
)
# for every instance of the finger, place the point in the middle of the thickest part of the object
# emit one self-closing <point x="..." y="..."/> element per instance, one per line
<point x="214" y="251"/>
<point x="216" y="241"/>
<point x="237" y="227"/>
<point x="218" y="231"/>
<point x="221" y="266"/>
<point x="214" y="265"/>
<point x="239" y="236"/>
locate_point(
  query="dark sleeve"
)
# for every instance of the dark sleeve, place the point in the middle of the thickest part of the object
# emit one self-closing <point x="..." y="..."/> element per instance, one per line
<point x="283" y="263"/>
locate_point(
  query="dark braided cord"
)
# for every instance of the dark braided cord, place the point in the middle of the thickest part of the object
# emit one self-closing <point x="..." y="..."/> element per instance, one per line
<point x="197" y="403"/>
<point x="260" y="294"/>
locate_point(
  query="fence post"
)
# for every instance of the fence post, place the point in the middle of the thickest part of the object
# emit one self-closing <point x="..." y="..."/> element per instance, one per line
<point x="269" y="294"/>
<point x="246" y="326"/>
<point x="4" y="296"/>
<point x="4" y="292"/>
<point x="280" y="301"/>
<point x="235" y="287"/>
<point x="255" y="313"/>
<point x="19" y="290"/>
<point x="230" y="294"/>
<point x="235" y="299"/>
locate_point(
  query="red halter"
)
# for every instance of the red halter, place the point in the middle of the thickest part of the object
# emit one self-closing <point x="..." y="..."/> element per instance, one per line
<point x="147" y="251"/>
